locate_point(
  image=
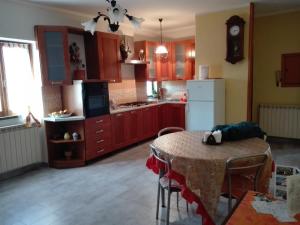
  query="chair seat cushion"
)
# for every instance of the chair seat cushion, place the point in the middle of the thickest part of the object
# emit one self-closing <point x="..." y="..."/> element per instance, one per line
<point x="239" y="186"/>
<point x="164" y="182"/>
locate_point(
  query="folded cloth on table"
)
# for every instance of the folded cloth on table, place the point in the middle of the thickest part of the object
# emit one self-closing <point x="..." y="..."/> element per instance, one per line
<point x="243" y="130"/>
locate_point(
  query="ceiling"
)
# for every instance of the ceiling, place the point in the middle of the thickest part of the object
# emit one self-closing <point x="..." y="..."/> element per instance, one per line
<point x="176" y="13"/>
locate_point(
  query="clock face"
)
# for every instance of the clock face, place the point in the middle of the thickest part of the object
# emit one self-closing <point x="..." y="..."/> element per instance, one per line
<point x="234" y="30"/>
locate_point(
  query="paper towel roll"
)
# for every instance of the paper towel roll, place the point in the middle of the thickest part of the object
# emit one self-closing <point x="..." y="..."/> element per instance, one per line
<point x="203" y="72"/>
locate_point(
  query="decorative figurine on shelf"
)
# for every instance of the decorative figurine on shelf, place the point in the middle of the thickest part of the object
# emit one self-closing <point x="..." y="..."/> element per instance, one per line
<point x="68" y="154"/>
<point x="67" y="136"/>
<point x="28" y="122"/>
<point x="79" y="72"/>
<point x="75" y="136"/>
<point x="124" y="49"/>
<point x="142" y="55"/>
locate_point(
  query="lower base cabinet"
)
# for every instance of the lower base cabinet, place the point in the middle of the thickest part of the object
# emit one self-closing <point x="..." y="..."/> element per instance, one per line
<point x="104" y="134"/>
<point x="98" y="136"/>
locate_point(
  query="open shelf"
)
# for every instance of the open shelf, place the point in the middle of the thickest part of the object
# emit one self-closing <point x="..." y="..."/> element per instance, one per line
<point x="64" y="163"/>
<point x="65" y="141"/>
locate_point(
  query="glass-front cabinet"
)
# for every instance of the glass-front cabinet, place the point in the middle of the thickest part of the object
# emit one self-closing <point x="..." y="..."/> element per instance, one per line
<point x="54" y="55"/>
<point x="183" y="55"/>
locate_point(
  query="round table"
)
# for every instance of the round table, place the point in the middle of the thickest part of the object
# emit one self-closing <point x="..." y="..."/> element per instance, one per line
<point x="203" y="166"/>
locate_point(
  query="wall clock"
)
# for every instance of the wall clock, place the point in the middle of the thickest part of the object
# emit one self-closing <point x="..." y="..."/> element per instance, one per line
<point x="235" y="39"/>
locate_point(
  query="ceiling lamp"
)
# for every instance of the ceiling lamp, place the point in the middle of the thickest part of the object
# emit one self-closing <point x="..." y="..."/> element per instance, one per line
<point x="161" y="49"/>
<point x="115" y="15"/>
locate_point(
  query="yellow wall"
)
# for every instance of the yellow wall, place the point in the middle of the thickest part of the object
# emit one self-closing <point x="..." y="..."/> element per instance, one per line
<point x="273" y="36"/>
<point x="211" y="50"/>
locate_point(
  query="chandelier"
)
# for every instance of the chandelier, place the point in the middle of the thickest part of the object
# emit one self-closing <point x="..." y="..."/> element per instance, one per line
<point x="115" y="15"/>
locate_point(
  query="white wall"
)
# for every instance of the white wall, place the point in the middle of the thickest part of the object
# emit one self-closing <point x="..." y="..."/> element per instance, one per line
<point x="17" y="19"/>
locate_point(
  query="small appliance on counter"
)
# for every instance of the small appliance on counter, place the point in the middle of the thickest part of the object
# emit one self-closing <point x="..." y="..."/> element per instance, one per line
<point x="86" y="98"/>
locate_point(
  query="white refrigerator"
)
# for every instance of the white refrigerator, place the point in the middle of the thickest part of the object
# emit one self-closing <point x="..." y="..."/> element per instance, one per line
<point x="205" y="106"/>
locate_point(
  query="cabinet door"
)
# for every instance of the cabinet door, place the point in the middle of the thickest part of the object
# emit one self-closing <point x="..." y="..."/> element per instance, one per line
<point x="165" y="65"/>
<point x="291" y="70"/>
<point x="182" y="62"/>
<point x="133" y="127"/>
<point x="119" y="130"/>
<point x="149" y="122"/>
<point x="54" y="54"/>
<point x="177" y="114"/>
<point x="109" y="60"/>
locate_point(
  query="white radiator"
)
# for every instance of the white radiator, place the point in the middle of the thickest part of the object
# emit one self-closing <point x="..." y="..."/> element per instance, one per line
<point x="280" y="120"/>
<point x="19" y="147"/>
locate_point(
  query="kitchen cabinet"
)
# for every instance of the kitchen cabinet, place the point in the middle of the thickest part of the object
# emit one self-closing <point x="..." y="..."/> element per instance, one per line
<point x="177" y="115"/>
<point x="59" y="148"/>
<point x="53" y="48"/>
<point x="146" y="71"/>
<point x="290" y="70"/>
<point x="164" y="71"/>
<point x="134" y="128"/>
<point x="98" y="138"/>
<point x="102" y="56"/>
<point x="119" y="128"/>
<point x="182" y="58"/>
<point x="149" y="122"/>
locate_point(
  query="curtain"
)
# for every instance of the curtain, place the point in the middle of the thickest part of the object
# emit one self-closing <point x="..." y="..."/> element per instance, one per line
<point x="23" y="93"/>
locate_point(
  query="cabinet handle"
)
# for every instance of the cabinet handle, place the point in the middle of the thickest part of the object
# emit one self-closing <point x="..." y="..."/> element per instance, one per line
<point x="119" y="114"/>
<point x="56" y="82"/>
<point x="100" y="141"/>
<point x="146" y="109"/>
<point x="133" y="112"/>
<point x="99" y="121"/>
<point x="99" y="131"/>
<point x="113" y="81"/>
<point x="101" y="150"/>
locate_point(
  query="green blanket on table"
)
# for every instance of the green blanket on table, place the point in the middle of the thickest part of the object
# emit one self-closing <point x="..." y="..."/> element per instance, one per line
<point x="243" y="130"/>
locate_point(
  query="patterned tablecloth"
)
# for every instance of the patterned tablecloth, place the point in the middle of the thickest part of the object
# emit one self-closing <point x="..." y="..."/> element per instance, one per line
<point x="203" y="166"/>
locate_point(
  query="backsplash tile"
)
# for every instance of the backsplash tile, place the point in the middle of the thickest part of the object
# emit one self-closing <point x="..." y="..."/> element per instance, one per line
<point x="51" y="99"/>
<point x="174" y="89"/>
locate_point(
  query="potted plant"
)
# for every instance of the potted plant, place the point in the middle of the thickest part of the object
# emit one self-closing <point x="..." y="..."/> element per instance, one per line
<point x="79" y="72"/>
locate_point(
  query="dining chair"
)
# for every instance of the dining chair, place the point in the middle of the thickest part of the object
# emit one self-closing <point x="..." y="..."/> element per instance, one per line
<point x="164" y="183"/>
<point x="242" y="174"/>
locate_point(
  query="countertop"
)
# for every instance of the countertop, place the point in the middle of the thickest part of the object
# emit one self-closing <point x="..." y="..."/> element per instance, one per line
<point x="120" y="110"/>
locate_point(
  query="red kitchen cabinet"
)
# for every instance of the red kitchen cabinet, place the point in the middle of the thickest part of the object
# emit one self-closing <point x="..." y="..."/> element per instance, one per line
<point x="146" y="71"/>
<point x="183" y="60"/>
<point x="149" y="122"/>
<point x="102" y="56"/>
<point x="164" y="71"/>
<point x="119" y="127"/>
<point x="177" y="115"/>
<point x="134" y="120"/>
<point x="53" y="48"/>
<point x="98" y="135"/>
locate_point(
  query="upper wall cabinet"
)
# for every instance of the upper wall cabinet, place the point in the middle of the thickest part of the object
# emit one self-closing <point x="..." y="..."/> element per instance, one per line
<point x="182" y="57"/>
<point x="54" y="54"/>
<point x="102" y="56"/>
<point x="290" y="70"/>
<point x="146" y="71"/>
<point x="165" y="64"/>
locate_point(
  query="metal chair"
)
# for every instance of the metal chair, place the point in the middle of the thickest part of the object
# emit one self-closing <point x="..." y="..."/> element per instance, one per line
<point x="242" y="175"/>
<point x="165" y="183"/>
<point x="168" y="130"/>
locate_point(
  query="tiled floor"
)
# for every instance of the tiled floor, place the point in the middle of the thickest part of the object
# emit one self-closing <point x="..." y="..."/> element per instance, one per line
<point x="118" y="190"/>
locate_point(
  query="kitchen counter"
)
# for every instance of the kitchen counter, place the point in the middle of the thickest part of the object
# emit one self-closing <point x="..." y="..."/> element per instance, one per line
<point x="155" y="103"/>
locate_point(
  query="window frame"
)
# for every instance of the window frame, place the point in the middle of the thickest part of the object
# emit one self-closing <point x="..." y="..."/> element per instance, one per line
<point x="3" y="90"/>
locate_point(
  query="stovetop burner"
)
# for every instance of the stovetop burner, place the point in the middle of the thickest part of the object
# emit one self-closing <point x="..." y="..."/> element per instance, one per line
<point x="134" y="104"/>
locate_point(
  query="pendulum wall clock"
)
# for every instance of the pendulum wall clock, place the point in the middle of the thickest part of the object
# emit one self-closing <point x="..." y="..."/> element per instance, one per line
<point x="235" y="39"/>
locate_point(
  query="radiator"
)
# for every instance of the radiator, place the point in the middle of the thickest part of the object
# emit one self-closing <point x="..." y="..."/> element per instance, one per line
<point x="280" y="120"/>
<point x="19" y="147"/>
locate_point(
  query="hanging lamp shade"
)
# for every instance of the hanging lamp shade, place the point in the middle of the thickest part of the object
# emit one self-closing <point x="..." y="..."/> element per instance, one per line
<point x="161" y="49"/>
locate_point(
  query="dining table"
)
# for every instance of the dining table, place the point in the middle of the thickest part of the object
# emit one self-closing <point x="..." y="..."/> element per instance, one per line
<point x="203" y="166"/>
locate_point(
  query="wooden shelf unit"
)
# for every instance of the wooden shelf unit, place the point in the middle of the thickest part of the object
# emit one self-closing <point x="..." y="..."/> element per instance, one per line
<point x="57" y="148"/>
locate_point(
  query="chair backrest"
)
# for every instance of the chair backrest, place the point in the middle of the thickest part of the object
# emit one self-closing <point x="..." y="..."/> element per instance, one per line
<point x="246" y="166"/>
<point x="169" y="130"/>
<point x="165" y="164"/>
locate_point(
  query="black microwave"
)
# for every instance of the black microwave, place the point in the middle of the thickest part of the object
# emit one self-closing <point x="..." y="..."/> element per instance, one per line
<point x="86" y="98"/>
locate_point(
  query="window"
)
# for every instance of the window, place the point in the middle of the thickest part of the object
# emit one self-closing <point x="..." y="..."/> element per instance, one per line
<point x="18" y="88"/>
<point x="152" y="88"/>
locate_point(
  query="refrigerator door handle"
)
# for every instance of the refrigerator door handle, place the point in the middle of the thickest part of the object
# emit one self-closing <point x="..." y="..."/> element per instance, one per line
<point x="187" y="94"/>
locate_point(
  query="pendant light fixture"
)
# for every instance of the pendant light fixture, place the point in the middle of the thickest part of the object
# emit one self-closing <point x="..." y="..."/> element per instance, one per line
<point x="161" y="49"/>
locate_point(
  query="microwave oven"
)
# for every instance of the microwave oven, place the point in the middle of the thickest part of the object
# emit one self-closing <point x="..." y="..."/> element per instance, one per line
<point x="88" y="99"/>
